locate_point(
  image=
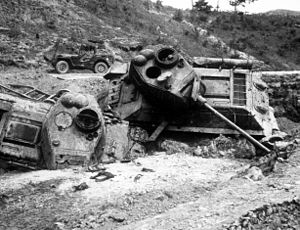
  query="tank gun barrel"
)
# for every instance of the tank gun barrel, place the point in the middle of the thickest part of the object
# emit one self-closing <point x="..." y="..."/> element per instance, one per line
<point x="203" y="102"/>
<point x="225" y="63"/>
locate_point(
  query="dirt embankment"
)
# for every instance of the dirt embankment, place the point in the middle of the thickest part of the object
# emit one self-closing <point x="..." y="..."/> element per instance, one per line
<point x="284" y="91"/>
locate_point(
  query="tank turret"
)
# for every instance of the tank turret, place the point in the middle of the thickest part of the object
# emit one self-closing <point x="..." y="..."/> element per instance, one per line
<point x="225" y="97"/>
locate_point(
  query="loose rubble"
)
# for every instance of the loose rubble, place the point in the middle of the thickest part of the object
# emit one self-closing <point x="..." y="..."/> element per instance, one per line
<point x="220" y="147"/>
<point x="285" y="215"/>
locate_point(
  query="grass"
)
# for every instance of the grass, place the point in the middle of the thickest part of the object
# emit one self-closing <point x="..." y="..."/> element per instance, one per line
<point x="274" y="39"/>
<point x="271" y="38"/>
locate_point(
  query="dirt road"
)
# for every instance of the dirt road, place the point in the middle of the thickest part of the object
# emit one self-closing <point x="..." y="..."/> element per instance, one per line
<point x="72" y="76"/>
<point x="183" y="192"/>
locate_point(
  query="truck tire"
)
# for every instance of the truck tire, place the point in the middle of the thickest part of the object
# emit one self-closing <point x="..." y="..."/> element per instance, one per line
<point x="62" y="67"/>
<point x="101" y="67"/>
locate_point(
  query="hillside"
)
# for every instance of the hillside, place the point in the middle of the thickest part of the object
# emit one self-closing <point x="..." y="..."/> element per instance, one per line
<point x="30" y="27"/>
<point x="275" y="39"/>
<point x="283" y="12"/>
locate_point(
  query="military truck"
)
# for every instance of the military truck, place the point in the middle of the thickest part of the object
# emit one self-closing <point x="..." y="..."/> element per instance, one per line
<point x="88" y="56"/>
<point x="162" y="91"/>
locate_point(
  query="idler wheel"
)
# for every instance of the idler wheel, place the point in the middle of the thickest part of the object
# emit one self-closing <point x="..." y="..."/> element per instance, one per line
<point x="167" y="57"/>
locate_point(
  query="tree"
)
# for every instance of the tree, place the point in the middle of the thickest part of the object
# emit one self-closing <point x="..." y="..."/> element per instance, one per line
<point x="202" y="6"/>
<point x="158" y="5"/>
<point x="178" y="15"/>
<point x="236" y="3"/>
<point x="146" y="5"/>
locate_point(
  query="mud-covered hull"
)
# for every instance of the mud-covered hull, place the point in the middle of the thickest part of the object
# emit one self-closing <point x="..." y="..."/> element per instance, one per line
<point x="38" y="135"/>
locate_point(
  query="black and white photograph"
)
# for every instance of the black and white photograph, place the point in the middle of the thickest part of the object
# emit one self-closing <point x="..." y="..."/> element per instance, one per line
<point x="149" y="115"/>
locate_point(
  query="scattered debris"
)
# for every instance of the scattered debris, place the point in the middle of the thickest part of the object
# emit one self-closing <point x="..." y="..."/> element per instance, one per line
<point x="80" y="187"/>
<point x="53" y="186"/>
<point x="266" y="163"/>
<point x="254" y="173"/>
<point x="125" y="161"/>
<point x="282" y="151"/>
<point x="137" y="177"/>
<point x="220" y="147"/>
<point x="147" y="170"/>
<point x="137" y="163"/>
<point x="103" y="176"/>
<point x="95" y="168"/>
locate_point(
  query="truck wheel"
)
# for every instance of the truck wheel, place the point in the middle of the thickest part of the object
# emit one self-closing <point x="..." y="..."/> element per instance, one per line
<point x="101" y="67"/>
<point x="62" y="67"/>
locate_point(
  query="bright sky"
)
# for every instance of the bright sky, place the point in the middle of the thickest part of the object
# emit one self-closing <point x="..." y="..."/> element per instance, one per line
<point x="255" y="7"/>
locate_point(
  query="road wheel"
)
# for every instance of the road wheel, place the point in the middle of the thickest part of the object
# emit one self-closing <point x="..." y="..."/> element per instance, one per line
<point x="101" y="67"/>
<point x="62" y="67"/>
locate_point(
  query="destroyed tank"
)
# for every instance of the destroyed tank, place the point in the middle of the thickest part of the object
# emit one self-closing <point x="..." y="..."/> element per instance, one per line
<point x="50" y="134"/>
<point x="162" y="91"/>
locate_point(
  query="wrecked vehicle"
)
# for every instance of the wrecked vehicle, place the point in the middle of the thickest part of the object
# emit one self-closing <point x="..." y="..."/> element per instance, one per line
<point x="159" y="90"/>
<point x="88" y="56"/>
<point x="50" y="134"/>
<point x="162" y="91"/>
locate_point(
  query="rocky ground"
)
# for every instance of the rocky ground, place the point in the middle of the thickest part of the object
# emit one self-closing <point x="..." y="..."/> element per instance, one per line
<point x="161" y="191"/>
<point x="179" y="187"/>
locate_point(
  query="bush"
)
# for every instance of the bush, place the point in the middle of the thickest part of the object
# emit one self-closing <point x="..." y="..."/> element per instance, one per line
<point x="158" y="5"/>
<point x="178" y="15"/>
<point x="146" y="5"/>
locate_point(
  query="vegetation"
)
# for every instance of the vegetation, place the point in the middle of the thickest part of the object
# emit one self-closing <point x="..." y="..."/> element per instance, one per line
<point x="178" y="15"/>
<point x="236" y="3"/>
<point x="269" y="37"/>
<point x="202" y="6"/>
